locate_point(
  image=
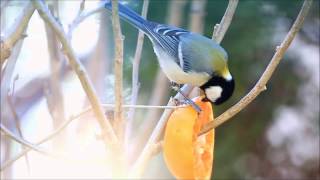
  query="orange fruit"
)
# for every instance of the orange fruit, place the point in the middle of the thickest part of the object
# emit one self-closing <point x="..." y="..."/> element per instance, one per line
<point x="188" y="156"/>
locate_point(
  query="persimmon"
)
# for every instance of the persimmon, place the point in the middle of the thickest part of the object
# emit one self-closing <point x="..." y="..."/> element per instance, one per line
<point x="188" y="156"/>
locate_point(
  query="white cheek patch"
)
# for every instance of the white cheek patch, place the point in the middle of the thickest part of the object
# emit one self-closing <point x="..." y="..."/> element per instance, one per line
<point x="213" y="93"/>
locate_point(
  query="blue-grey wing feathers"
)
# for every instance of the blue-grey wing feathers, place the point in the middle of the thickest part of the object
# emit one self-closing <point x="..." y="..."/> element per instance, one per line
<point x="192" y="52"/>
<point x="168" y="38"/>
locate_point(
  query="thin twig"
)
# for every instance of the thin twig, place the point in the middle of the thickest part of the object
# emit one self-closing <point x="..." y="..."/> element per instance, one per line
<point x="7" y="76"/>
<point x="3" y="4"/>
<point x="18" y="126"/>
<point x="143" y="106"/>
<point x="197" y="15"/>
<point x="265" y="77"/>
<point x="47" y="138"/>
<point x="108" y="133"/>
<point x="19" y="140"/>
<point x="15" y="33"/>
<point x="82" y="5"/>
<point x="34" y="147"/>
<point x="118" y="122"/>
<point x="157" y="148"/>
<point x="135" y="76"/>
<point x="118" y="63"/>
<point x="53" y="89"/>
<point x="82" y="15"/>
<point x="221" y="29"/>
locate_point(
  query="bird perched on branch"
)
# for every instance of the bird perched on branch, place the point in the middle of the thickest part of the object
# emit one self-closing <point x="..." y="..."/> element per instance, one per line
<point x="186" y="57"/>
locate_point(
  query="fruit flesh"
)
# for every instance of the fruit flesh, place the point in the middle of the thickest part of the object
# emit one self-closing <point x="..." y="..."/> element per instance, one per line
<point x="187" y="155"/>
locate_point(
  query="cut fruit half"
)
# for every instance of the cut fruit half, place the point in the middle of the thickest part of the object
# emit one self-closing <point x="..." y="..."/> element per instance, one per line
<point x="188" y="156"/>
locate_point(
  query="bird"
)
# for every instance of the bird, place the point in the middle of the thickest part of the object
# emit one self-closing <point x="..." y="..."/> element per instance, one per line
<point x="186" y="57"/>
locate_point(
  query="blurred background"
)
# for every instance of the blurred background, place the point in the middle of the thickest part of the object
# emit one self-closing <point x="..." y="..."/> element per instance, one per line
<point x="275" y="137"/>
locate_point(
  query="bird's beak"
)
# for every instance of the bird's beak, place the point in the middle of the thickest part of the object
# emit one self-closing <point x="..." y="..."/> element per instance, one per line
<point x="203" y="97"/>
<point x="226" y="74"/>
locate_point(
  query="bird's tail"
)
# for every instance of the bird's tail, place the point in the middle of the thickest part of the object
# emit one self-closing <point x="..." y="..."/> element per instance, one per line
<point x="129" y="15"/>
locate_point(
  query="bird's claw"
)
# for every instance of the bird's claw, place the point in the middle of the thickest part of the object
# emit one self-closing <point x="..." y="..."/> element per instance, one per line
<point x="177" y="102"/>
<point x="187" y="100"/>
<point x="174" y="86"/>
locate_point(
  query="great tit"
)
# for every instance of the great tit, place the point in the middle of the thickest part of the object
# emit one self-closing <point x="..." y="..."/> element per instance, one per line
<point x="186" y="57"/>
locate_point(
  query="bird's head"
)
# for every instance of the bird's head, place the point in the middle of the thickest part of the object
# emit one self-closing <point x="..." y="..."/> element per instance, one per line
<point x="219" y="88"/>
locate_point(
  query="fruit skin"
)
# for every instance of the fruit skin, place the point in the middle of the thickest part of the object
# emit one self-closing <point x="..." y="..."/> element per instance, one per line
<point x="188" y="156"/>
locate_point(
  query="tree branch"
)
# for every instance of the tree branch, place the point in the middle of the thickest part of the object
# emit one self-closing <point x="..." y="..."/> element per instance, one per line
<point x="261" y="84"/>
<point x="15" y="33"/>
<point x="53" y="88"/>
<point x="108" y="133"/>
<point x="19" y="140"/>
<point x="143" y="106"/>
<point x="118" y="63"/>
<point x="197" y="15"/>
<point x="135" y="76"/>
<point x="82" y="15"/>
<point x="3" y="4"/>
<point x="18" y="126"/>
<point x="118" y="159"/>
<point x="49" y="137"/>
<point x="221" y="29"/>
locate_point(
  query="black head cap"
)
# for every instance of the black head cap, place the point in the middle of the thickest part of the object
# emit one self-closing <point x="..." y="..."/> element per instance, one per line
<point x="224" y="87"/>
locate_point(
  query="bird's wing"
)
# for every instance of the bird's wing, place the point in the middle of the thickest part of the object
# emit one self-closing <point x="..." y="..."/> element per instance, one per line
<point x="168" y="37"/>
<point x="200" y="54"/>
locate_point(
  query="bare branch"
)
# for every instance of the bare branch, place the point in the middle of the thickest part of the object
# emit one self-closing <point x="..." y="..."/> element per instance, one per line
<point x="16" y="32"/>
<point x="49" y="137"/>
<point x="157" y="148"/>
<point x="118" y="63"/>
<point x="197" y="15"/>
<point x="6" y="80"/>
<point x="82" y="15"/>
<point x="118" y="167"/>
<point x="54" y="94"/>
<point x="18" y="125"/>
<point x="265" y="77"/>
<point x="221" y="29"/>
<point x="135" y="75"/>
<point x="19" y="140"/>
<point x="143" y="106"/>
<point x="108" y="133"/>
<point x="82" y="5"/>
<point x="3" y="4"/>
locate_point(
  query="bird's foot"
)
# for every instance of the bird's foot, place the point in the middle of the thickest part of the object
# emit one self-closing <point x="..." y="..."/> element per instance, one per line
<point x="179" y="102"/>
<point x="175" y="86"/>
<point x="187" y="101"/>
